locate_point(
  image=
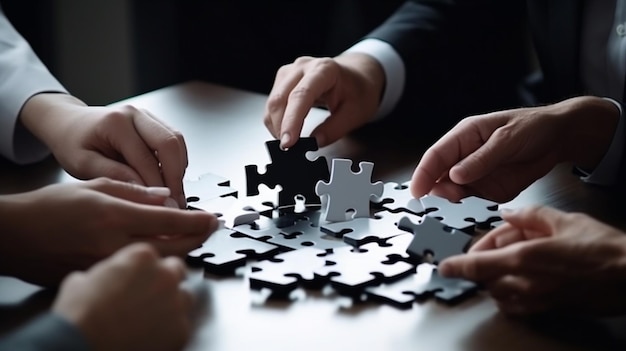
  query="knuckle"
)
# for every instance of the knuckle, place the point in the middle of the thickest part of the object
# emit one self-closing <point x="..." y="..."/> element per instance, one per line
<point x="303" y="60"/>
<point x="275" y="102"/>
<point x="299" y="92"/>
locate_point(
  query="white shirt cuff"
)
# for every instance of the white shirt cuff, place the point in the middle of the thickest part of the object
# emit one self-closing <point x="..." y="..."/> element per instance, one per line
<point x="394" y="69"/>
<point x="607" y="170"/>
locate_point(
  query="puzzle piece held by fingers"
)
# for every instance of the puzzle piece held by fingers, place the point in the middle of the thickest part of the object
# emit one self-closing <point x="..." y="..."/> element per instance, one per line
<point x="292" y="170"/>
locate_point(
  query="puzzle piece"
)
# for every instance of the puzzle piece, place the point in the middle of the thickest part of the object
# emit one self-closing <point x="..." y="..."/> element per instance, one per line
<point x="292" y="170"/>
<point x="348" y="190"/>
<point x="433" y="236"/>
<point x="305" y="233"/>
<point x="397" y="197"/>
<point x="352" y="269"/>
<point x="207" y="187"/>
<point x="421" y="285"/>
<point x="462" y="215"/>
<point x="229" y="209"/>
<point x="363" y="230"/>
<point x="286" y="271"/>
<point x="269" y="227"/>
<point x="224" y="251"/>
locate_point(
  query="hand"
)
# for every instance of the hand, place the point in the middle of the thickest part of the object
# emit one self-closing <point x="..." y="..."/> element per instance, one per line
<point x="60" y="228"/>
<point x="498" y="155"/>
<point x="545" y="260"/>
<point x="121" y="143"/>
<point x="131" y="301"/>
<point x="350" y="86"/>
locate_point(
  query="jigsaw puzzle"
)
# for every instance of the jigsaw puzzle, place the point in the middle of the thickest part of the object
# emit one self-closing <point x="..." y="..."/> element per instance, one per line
<point x="397" y="197"/>
<point x="434" y="237"/>
<point x="225" y="250"/>
<point x="352" y="269"/>
<point x="288" y="237"/>
<point x="207" y="187"/>
<point x="425" y="282"/>
<point x="348" y="190"/>
<point x="363" y="230"/>
<point x="462" y="215"/>
<point x="291" y="170"/>
<point x="284" y="272"/>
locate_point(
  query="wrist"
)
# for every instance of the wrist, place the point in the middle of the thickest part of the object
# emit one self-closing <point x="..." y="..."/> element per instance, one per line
<point x="45" y="114"/>
<point x="591" y="125"/>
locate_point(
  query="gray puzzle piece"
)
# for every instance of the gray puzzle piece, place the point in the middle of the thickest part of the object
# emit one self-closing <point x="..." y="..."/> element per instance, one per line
<point x="286" y="271"/>
<point x="350" y="269"/>
<point x="229" y="209"/>
<point x="348" y="190"/>
<point x="304" y="233"/>
<point x="421" y="285"/>
<point x="433" y="236"/>
<point x="360" y="231"/>
<point x="397" y="197"/>
<point x="207" y="187"/>
<point x="224" y="251"/>
<point x="462" y="215"/>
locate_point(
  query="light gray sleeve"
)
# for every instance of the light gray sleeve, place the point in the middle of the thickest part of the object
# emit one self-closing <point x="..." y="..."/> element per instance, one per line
<point x="22" y="75"/>
<point x="48" y="332"/>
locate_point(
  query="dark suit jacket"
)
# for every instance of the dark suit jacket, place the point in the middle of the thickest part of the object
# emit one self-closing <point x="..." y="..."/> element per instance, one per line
<point x="473" y="56"/>
<point x="466" y="57"/>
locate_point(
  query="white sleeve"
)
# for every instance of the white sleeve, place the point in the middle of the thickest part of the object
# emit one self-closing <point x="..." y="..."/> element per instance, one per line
<point x="607" y="170"/>
<point x="394" y="69"/>
<point x="22" y="75"/>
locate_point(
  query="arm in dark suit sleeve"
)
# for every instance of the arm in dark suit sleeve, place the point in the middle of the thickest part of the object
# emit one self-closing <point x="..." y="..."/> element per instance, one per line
<point x="49" y="332"/>
<point x="460" y="56"/>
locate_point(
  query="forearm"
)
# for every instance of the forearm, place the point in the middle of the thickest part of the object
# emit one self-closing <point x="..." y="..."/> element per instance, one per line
<point x="45" y="115"/>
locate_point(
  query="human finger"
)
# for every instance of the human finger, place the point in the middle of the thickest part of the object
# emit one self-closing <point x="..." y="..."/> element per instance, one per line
<point x="127" y="141"/>
<point x="174" y="266"/>
<point x="129" y="191"/>
<point x="174" y="149"/>
<point x="488" y="265"/>
<point x="466" y="138"/>
<point x="338" y="124"/>
<point x="287" y="77"/>
<point x="534" y="220"/>
<point x="319" y="79"/>
<point x="99" y="165"/>
<point x="169" y="146"/>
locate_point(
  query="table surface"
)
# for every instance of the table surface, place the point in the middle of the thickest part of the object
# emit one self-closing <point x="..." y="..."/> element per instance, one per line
<point x="224" y="132"/>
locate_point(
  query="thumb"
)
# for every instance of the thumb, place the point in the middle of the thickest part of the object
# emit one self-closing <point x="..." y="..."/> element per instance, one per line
<point x="341" y="121"/>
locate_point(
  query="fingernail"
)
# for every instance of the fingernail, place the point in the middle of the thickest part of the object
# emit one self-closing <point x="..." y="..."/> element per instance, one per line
<point x="284" y="139"/>
<point x="158" y="191"/>
<point x="171" y="203"/>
